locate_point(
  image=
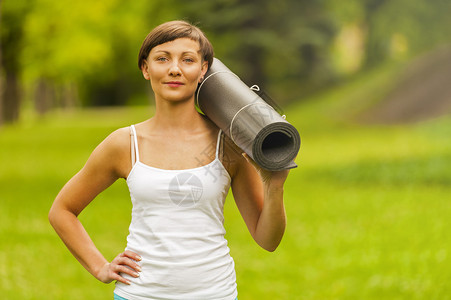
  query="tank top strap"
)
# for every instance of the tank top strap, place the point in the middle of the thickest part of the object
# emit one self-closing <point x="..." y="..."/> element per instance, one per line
<point x="218" y="143"/>
<point x="134" y="145"/>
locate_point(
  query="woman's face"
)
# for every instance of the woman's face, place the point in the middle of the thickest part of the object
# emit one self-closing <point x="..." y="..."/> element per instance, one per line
<point x="174" y="69"/>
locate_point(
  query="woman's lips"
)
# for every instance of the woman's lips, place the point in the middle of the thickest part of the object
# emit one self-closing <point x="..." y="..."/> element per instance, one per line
<point x="174" y="83"/>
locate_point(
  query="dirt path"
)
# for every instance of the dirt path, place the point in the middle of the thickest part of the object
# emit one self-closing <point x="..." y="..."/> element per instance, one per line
<point x="423" y="92"/>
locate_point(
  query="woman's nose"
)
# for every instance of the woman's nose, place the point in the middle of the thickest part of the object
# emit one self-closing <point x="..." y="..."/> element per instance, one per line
<point x="174" y="69"/>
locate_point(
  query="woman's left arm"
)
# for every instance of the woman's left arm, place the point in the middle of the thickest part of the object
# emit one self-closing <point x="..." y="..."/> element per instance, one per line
<point x="258" y="194"/>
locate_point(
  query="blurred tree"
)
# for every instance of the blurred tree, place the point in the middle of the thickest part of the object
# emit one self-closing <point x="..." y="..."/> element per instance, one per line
<point x="1" y="70"/>
<point x="376" y="46"/>
<point x="118" y="80"/>
<point x="397" y="28"/>
<point x="422" y="25"/>
<point x="13" y="16"/>
<point x="86" y="50"/>
<point x="64" y="45"/>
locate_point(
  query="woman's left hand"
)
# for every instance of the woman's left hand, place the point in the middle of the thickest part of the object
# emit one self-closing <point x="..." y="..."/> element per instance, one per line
<point x="269" y="178"/>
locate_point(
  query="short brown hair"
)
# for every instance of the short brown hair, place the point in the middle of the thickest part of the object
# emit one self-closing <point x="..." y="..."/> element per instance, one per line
<point x="173" y="30"/>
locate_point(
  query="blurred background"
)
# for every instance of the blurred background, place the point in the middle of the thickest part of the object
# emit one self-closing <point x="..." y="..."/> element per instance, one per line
<point x="55" y="55"/>
<point x="366" y="82"/>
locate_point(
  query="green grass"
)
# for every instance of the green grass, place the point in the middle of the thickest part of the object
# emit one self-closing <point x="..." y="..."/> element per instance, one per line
<point x="368" y="210"/>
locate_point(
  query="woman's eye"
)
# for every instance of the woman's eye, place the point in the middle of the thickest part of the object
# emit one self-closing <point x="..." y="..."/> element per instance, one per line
<point x="189" y="60"/>
<point x="162" y="58"/>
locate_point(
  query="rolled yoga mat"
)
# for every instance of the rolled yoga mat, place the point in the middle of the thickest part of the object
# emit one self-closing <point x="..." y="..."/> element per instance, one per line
<point x="251" y="123"/>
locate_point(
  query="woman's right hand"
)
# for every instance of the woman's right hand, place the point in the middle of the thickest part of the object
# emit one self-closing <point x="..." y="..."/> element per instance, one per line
<point x="125" y="262"/>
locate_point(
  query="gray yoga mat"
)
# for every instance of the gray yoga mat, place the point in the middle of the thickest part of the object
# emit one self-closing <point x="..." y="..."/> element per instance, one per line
<point x="247" y="119"/>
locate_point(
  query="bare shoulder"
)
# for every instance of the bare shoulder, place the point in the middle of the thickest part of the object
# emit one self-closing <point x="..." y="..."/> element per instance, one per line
<point x="119" y="138"/>
<point x="116" y="142"/>
<point x="114" y="152"/>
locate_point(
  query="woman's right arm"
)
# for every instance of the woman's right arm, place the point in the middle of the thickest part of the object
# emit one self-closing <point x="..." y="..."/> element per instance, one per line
<point x="108" y="162"/>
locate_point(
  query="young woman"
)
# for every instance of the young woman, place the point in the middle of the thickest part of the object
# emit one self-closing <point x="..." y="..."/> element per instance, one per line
<point x="179" y="167"/>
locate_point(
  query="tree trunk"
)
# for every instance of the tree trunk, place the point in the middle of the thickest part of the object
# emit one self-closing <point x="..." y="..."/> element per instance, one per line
<point x="9" y="61"/>
<point x="44" y="96"/>
<point x="1" y="72"/>
<point x="11" y="98"/>
<point x="375" y="47"/>
<point x="69" y="95"/>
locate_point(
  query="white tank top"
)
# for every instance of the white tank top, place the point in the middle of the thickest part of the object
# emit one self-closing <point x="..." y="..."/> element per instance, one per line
<point x="177" y="227"/>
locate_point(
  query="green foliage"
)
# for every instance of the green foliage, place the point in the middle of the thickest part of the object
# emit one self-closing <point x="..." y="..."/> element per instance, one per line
<point x="92" y="44"/>
<point x="65" y="42"/>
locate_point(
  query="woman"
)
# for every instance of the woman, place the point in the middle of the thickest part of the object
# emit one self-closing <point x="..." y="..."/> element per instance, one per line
<point x="179" y="167"/>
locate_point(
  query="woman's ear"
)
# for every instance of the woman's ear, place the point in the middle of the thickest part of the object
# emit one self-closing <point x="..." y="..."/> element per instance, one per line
<point x="145" y="70"/>
<point x="203" y="70"/>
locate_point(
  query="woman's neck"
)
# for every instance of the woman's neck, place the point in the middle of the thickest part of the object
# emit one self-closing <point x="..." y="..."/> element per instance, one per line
<point x="172" y="117"/>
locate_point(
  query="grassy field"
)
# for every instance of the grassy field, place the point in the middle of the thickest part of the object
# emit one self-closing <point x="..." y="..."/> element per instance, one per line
<point x="368" y="210"/>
